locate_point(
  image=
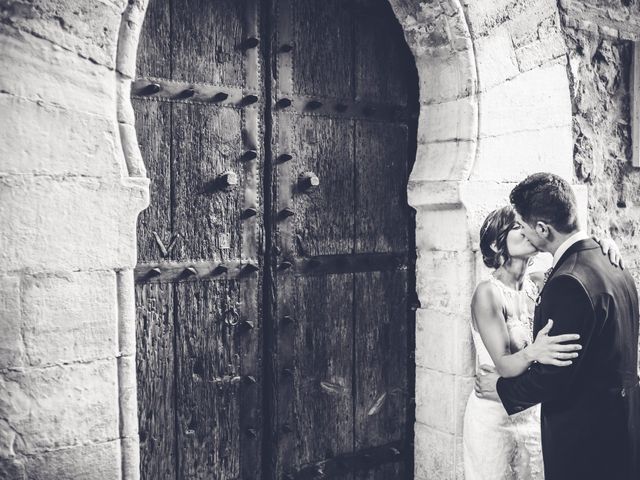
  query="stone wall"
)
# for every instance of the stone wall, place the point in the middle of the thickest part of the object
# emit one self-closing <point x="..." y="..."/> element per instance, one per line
<point x="600" y="36"/>
<point x="67" y="245"/>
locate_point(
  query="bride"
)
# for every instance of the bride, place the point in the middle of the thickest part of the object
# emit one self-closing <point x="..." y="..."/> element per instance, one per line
<point x="497" y="446"/>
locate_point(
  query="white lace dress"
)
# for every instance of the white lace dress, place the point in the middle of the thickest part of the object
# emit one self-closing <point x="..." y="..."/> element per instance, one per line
<point x="497" y="446"/>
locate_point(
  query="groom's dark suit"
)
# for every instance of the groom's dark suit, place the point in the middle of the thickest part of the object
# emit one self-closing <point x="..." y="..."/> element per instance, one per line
<point x="591" y="409"/>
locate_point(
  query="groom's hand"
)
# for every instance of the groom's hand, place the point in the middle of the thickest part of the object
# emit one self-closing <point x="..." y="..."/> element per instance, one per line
<point x="486" y="380"/>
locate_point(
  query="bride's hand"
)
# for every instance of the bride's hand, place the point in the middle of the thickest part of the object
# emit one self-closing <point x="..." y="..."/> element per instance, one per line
<point x="610" y="248"/>
<point x="549" y="350"/>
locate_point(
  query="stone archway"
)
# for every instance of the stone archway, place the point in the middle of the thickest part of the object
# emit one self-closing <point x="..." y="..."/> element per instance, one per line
<point x="495" y="106"/>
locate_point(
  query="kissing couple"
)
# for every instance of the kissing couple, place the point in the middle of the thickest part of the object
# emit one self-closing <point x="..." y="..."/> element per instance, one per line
<point x="556" y="393"/>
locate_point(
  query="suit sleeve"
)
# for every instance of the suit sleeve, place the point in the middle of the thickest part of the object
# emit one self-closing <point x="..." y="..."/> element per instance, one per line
<point x="569" y="306"/>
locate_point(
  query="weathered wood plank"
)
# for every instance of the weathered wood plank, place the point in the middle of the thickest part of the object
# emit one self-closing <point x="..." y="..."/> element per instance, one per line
<point x="324" y="215"/>
<point x="156" y="382"/>
<point x="206" y="41"/>
<point x="362" y="462"/>
<point x="322" y="404"/>
<point x="208" y="380"/>
<point x="249" y="338"/>
<point x="381" y="357"/>
<point x="382" y="214"/>
<point x="388" y="471"/>
<point x="153" y="125"/>
<point x="154" y="46"/>
<point x="382" y="56"/>
<point x="206" y="144"/>
<point x="323" y="39"/>
<point x="635" y="106"/>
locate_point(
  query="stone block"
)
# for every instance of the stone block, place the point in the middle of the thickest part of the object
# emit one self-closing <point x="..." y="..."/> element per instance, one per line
<point x="67" y="224"/>
<point x="495" y="58"/>
<point x="435" y="399"/>
<point x="89" y="29"/>
<point x="444" y="230"/>
<point x="70" y="317"/>
<point x="434" y="454"/>
<point x="98" y="461"/>
<point x="608" y="31"/>
<point x="446" y="77"/>
<point x="513" y="156"/>
<point x="426" y="194"/>
<point x="537" y="23"/>
<point x="445" y="280"/>
<point x="539" y="52"/>
<point x="444" y="161"/>
<point x="61" y="406"/>
<point x="570" y="22"/>
<point x="443" y="342"/>
<point x="535" y="100"/>
<point x="449" y="121"/>
<point x="12" y="349"/>
<point x="588" y="26"/>
<point x="435" y="344"/>
<point x="64" y="142"/>
<point x="44" y="72"/>
<point x="485" y="16"/>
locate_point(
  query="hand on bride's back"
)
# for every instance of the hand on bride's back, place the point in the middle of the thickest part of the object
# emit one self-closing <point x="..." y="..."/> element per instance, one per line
<point x="550" y="350"/>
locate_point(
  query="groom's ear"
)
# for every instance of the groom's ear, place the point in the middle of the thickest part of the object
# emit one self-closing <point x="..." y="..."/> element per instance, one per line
<point x="543" y="229"/>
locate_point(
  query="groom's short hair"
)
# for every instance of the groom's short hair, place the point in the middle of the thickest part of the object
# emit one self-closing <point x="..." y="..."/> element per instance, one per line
<point x="548" y="198"/>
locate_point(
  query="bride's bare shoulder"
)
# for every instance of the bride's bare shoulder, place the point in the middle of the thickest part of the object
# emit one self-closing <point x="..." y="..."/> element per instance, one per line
<point x="486" y="294"/>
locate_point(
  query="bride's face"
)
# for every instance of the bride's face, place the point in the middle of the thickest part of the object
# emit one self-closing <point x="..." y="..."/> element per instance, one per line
<point x="517" y="244"/>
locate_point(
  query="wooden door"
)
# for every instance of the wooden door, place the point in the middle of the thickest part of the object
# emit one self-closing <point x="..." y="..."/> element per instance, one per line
<point x="343" y="95"/>
<point x="275" y="259"/>
<point x="198" y="288"/>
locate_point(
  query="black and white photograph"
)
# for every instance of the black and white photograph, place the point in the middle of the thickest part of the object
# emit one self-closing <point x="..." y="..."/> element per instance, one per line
<point x="319" y="239"/>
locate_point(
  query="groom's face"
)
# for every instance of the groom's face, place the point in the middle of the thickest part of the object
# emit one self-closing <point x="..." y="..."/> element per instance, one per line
<point x="530" y="233"/>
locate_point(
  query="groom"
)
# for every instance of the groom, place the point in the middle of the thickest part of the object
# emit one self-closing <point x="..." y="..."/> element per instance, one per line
<point x="591" y="409"/>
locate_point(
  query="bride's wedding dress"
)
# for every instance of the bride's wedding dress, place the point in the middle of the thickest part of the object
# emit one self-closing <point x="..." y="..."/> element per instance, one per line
<point x="497" y="446"/>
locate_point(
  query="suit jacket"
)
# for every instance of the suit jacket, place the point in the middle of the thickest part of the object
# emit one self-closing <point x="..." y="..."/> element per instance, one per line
<point x="590" y="410"/>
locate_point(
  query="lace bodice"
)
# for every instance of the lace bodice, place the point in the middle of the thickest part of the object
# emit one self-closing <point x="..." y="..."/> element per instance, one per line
<point x="519" y="306"/>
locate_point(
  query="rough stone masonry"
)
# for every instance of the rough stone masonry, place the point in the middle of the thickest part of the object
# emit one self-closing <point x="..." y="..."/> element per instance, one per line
<point x="507" y="87"/>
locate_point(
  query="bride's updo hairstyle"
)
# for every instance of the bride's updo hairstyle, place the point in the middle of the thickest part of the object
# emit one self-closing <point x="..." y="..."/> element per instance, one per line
<point x="494" y="233"/>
